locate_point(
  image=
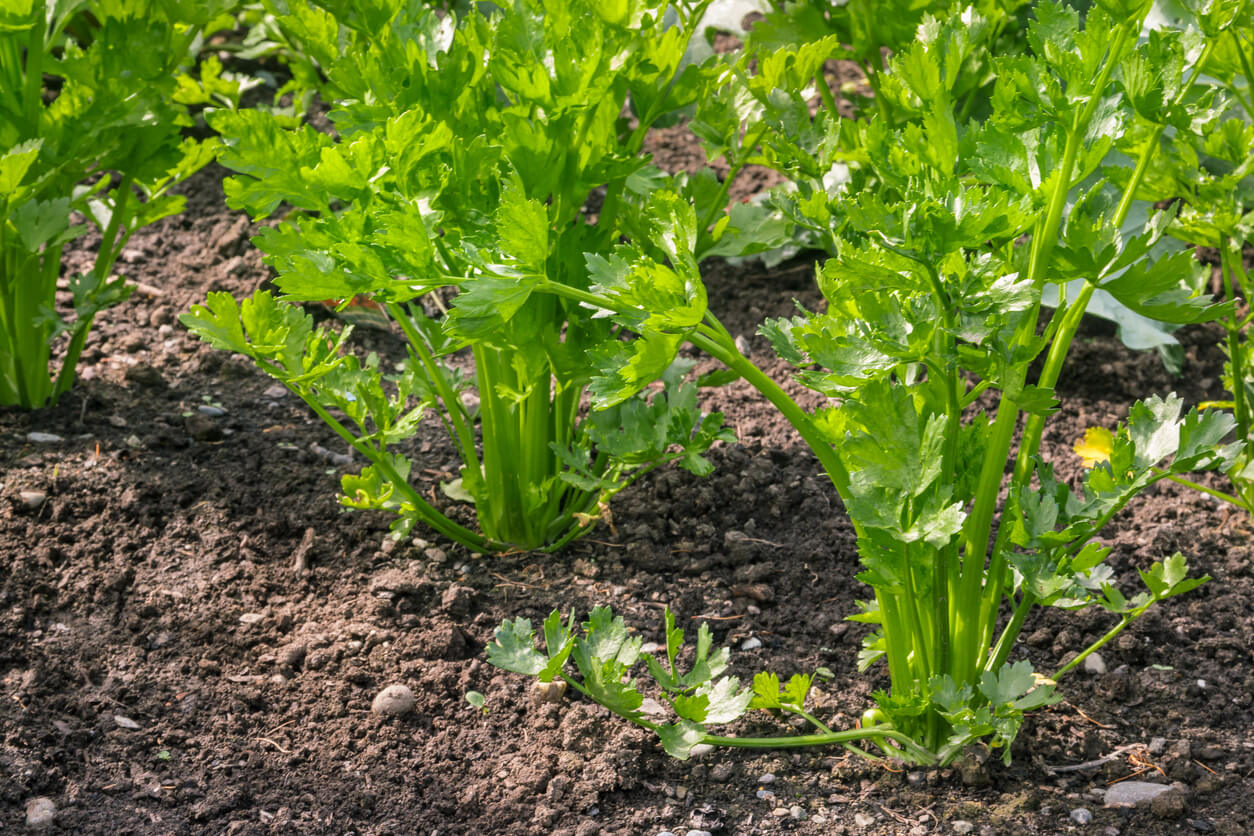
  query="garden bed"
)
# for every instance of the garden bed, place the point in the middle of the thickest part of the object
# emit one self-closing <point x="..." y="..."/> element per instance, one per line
<point x="193" y="632"/>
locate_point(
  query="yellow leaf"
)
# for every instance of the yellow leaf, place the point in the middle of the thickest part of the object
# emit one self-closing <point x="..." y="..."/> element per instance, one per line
<point x="1095" y="446"/>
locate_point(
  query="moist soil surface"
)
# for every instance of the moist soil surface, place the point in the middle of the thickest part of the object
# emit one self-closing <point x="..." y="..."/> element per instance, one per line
<point x="192" y="630"/>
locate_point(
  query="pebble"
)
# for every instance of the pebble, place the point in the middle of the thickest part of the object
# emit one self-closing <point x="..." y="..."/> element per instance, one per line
<point x="393" y="700"/>
<point x="211" y="411"/>
<point x="700" y="750"/>
<point x="43" y="438"/>
<point x="125" y="722"/>
<point x="963" y="827"/>
<point x="1133" y="793"/>
<point x="698" y="833"/>
<point x="863" y="820"/>
<point x="40" y="813"/>
<point x="765" y="795"/>
<point x="797" y="812"/>
<point x="1201" y="825"/>
<point x="33" y="500"/>
<point x="722" y="772"/>
<point x="275" y="391"/>
<point x="751" y="643"/>
<point x="1094" y="664"/>
<point x="780" y="812"/>
<point x="252" y="618"/>
<point x="766" y="778"/>
<point x="1081" y="816"/>
<point x="1157" y="745"/>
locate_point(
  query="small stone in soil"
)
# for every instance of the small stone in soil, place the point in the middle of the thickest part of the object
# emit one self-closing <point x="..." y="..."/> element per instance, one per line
<point x="700" y="750"/>
<point x="40" y="813"/>
<point x="765" y="795"/>
<point x="797" y="812"/>
<point x="863" y="820"/>
<point x="211" y="411"/>
<point x="43" y="438"/>
<point x="1201" y="825"/>
<point x="751" y="643"/>
<point x="1081" y="816"/>
<point x="125" y="722"/>
<point x="963" y="827"/>
<point x="548" y="692"/>
<point x="722" y="772"/>
<point x="393" y="700"/>
<point x="33" y="500"/>
<point x="1094" y="664"/>
<point x="275" y="391"/>
<point x="766" y="778"/>
<point x="1133" y="793"/>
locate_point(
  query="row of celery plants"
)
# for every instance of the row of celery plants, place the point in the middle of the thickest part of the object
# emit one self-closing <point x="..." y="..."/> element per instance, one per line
<point x="948" y="232"/>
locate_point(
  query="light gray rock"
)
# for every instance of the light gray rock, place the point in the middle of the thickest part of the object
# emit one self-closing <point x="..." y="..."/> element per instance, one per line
<point x="33" y="500"/>
<point x="393" y="700"/>
<point x="766" y="778"/>
<point x="1094" y="664"/>
<point x="43" y="438"/>
<point x="1080" y="815"/>
<point x="1134" y="793"/>
<point x="962" y="828"/>
<point x="863" y="820"/>
<point x="40" y="813"/>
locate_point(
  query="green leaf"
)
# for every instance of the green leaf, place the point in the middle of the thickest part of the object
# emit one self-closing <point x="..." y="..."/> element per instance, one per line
<point x="523" y="226"/>
<point x="512" y="648"/>
<point x="679" y="738"/>
<point x="486" y="304"/>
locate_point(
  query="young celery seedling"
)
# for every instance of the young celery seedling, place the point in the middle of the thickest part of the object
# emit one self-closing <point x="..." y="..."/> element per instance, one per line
<point x="932" y="302"/>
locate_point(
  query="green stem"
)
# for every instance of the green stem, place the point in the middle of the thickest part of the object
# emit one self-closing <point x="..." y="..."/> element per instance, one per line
<point x="429" y="513"/>
<point x="462" y="433"/>
<point x="32" y="97"/>
<point x="875" y="734"/>
<point x="720" y="201"/>
<point x="1198" y="486"/>
<point x="1127" y="619"/>
<point x="825" y="92"/>
<point x="1241" y="409"/>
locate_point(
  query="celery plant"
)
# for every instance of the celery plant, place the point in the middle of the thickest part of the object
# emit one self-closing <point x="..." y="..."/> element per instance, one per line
<point x="464" y="154"/>
<point x="87" y="125"/>
<point x="934" y="298"/>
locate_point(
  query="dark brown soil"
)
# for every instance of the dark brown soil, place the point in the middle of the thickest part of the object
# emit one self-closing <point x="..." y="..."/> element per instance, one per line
<point x="192" y="631"/>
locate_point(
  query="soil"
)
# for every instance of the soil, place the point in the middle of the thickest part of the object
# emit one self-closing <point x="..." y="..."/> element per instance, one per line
<point x="192" y="631"/>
